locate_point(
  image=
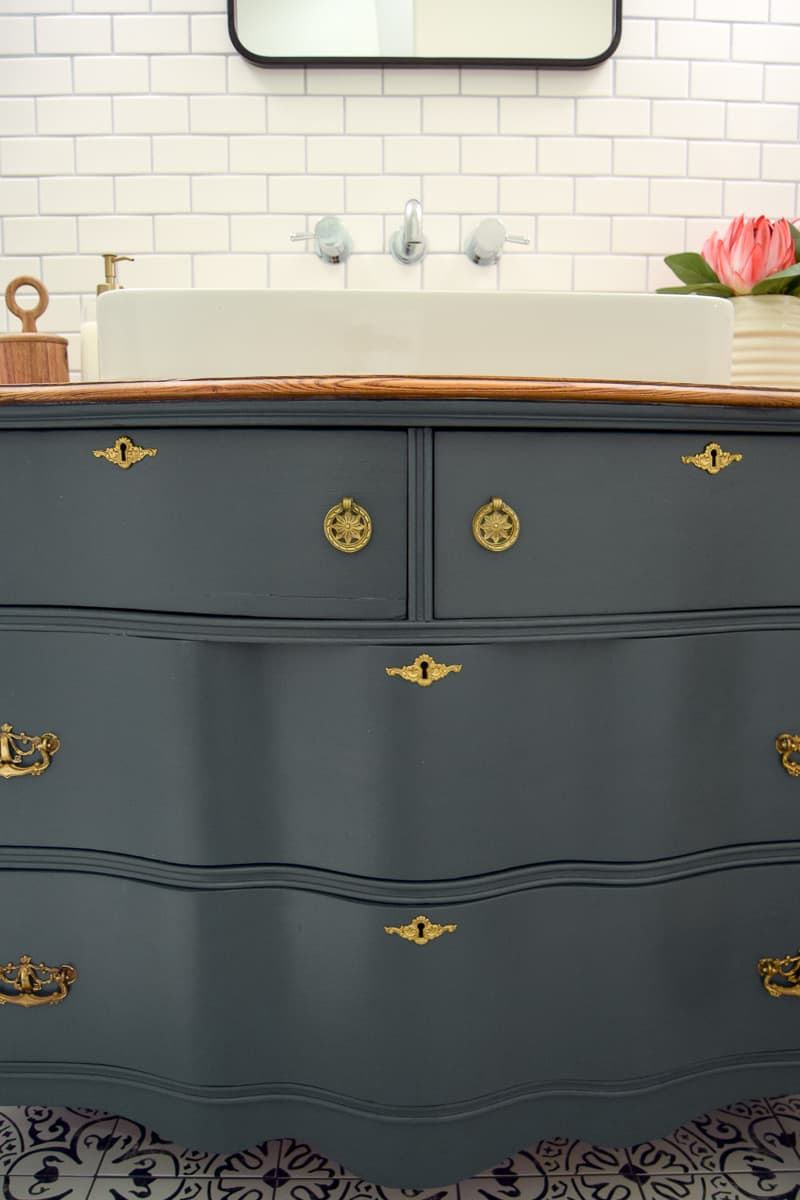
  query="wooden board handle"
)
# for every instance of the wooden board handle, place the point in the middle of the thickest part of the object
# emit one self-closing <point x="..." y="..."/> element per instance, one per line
<point x="28" y="316"/>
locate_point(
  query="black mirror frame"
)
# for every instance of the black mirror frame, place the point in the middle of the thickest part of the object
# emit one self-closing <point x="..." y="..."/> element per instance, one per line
<point x="552" y="63"/>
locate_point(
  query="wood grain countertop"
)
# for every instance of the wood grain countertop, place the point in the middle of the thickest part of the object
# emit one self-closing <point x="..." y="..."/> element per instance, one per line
<point x="398" y="387"/>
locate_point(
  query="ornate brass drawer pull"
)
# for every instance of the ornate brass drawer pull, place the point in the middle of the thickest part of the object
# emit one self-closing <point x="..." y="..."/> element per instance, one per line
<point x="125" y="453"/>
<point x="347" y="526"/>
<point x="32" y="984"/>
<point x="16" y="747"/>
<point x="495" y="525"/>
<point x="781" y="976"/>
<point x="712" y="460"/>
<point x="424" y="670"/>
<point x="787" y="744"/>
<point x="420" y="931"/>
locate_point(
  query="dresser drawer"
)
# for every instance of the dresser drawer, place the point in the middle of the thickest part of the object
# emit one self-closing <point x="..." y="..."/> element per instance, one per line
<point x="217" y="521"/>
<point x="530" y="990"/>
<point x="610" y="750"/>
<point x="614" y="522"/>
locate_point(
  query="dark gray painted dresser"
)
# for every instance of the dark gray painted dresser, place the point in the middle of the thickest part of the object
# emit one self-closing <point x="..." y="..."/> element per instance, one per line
<point x="406" y="769"/>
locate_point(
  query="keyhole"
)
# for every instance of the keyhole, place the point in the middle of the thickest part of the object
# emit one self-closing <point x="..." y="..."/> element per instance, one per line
<point x="123" y="451"/>
<point x="713" y="457"/>
<point x="423" y="668"/>
<point x="420" y="929"/>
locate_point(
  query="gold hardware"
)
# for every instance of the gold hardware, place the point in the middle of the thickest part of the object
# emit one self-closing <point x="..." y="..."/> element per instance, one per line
<point x="713" y="459"/>
<point x="14" y="747"/>
<point x="110" y="261"/>
<point x="495" y="525"/>
<point x="28" y="980"/>
<point x="787" y="969"/>
<point x="420" y="931"/>
<point x="125" y="453"/>
<point x="786" y="744"/>
<point x="424" y="670"/>
<point x="347" y="526"/>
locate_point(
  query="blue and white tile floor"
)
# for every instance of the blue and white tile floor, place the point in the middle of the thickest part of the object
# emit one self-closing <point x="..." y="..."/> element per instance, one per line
<point x="749" y="1150"/>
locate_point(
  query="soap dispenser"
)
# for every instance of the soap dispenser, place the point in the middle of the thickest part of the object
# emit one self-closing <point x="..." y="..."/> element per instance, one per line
<point x="90" y="366"/>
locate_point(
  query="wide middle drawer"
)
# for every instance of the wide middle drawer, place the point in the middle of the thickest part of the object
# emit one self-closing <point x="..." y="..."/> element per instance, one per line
<point x="613" y="749"/>
<point x="225" y="521"/>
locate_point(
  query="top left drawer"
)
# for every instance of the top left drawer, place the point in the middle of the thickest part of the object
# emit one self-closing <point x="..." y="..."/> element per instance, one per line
<point x="217" y="521"/>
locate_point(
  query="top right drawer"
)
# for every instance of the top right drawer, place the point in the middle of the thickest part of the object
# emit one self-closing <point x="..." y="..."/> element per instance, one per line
<point x="614" y="522"/>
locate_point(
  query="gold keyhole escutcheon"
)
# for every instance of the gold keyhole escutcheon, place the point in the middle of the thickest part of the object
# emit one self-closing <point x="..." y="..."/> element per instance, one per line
<point x="420" y="930"/>
<point x="125" y="453"/>
<point x="347" y="526"/>
<point x="712" y="459"/>
<point x="495" y="525"/>
<point x="33" y="985"/>
<point x="424" y="670"/>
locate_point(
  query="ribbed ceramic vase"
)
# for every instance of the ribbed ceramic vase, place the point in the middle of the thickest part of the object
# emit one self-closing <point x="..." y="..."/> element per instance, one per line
<point x="766" y="341"/>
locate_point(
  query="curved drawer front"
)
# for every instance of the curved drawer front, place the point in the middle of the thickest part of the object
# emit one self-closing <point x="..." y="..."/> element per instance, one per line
<point x="616" y="522"/>
<point x="217" y="521"/>
<point x="535" y="989"/>
<point x="612" y="750"/>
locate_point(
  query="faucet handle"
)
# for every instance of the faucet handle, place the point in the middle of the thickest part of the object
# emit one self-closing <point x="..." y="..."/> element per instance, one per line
<point x="485" y="244"/>
<point x="331" y="240"/>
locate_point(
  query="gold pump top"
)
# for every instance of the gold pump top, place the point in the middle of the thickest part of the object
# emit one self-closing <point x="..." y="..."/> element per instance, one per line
<point x="110" y="269"/>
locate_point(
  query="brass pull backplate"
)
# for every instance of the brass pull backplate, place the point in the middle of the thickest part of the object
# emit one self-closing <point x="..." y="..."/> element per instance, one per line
<point x="125" y="453"/>
<point x="495" y="526"/>
<point x="781" y="976"/>
<point x="30" y="985"/>
<point x="787" y="744"/>
<point x="712" y="460"/>
<point x="424" y="670"/>
<point x="347" y="526"/>
<point x="420" y="931"/>
<point x="16" y="747"/>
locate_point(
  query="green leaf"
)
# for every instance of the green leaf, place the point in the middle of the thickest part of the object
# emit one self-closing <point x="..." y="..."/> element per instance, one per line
<point x="691" y="268"/>
<point x="796" y="239"/>
<point x="698" y="289"/>
<point x="781" y="281"/>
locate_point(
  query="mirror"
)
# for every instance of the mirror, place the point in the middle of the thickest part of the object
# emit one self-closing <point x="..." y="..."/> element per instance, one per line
<point x="532" y="33"/>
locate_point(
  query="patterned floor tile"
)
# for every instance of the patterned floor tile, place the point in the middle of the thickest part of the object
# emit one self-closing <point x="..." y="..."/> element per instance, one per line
<point x="62" y="1143"/>
<point x="195" y="1188"/>
<point x="560" y="1156"/>
<point x="299" y="1159"/>
<point x="745" y="1186"/>
<point x="738" y="1139"/>
<point x="42" y="1187"/>
<point x="551" y="1187"/>
<point x="138" y="1153"/>
<point x="356" y="1189"/>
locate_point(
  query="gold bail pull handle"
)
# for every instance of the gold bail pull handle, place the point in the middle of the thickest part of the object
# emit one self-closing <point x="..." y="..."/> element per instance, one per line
<point x="781" y="976"/>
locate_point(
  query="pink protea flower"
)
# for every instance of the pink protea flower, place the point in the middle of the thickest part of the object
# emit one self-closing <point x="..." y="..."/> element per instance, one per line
<point x="750" y="249"/>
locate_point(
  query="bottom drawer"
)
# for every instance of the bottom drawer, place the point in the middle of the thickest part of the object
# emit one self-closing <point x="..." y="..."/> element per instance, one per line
<point x="541" y="985"/>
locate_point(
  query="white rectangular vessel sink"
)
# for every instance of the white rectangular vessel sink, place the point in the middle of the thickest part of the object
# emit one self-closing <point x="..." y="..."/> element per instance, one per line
<point x="196" y="333"/>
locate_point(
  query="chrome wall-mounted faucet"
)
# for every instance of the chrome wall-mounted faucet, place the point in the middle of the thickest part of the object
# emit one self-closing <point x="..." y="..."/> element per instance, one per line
<point x="331" y="240"/>
<point x="407" y="243"/>
<point x="485" y="244"/>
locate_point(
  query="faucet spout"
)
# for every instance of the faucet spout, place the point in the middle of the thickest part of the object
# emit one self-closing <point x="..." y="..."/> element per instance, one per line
<point x="408" y="243"/>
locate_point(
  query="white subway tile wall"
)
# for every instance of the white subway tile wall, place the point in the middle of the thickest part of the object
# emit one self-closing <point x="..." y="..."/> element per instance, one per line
<point x="133" y="126"/>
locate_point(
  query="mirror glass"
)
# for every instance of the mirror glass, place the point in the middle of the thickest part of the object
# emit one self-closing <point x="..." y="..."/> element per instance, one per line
<point x="543" y="33"/>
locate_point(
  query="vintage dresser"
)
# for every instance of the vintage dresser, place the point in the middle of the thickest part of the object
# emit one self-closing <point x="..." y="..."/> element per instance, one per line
<point x="410" y="767"/>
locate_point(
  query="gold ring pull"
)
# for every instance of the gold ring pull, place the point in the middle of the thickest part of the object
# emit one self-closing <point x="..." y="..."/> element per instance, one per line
<point x="712" y="460"/>
<point x="424" y="670"/>
<point x="31" y="984"/>
<point x="420" y="931"/>
<point x="125" y="453"/>
<point x="787" y="744"/>
<point x="781" y="976"/>
<point x="16" y="747"/>
<point x="347" y="526"/>
<point x="495" y="525"/>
